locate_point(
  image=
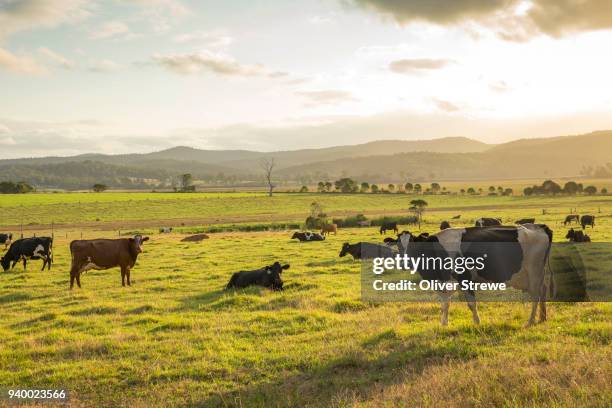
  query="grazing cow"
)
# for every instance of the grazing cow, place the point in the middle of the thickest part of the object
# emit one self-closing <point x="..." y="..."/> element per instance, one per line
<point x="268" y="277"/>
<point x="444" y="225"/>
<point x="6" y="239"/>
<point x="587" y="220"/>
<point x="577" y="236"/>
<point x="366" y="250"/>
<point x="101" y="254"/>
<point x="388" y="226"/>
<point x="165" y="230"/>
<point x="525" y="221"/>
<point x="328" y="228"/>
<point x="391" y="241"/>
<point x="29" y="248"/>
<point x="365" y="223"/>
<point x="308" y="236"/>
<point x="412" y="220"/>
<point x="571" y="218"/>
<point x="515" y="255"/>
<point x="456" y="217"/>
<point x="488" y="222"/>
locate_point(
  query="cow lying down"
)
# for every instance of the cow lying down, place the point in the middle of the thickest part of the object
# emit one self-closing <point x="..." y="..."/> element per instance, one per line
<point x="268" y="277"/>
<point x="516" y="255"/>
<point x="308" y="236"/>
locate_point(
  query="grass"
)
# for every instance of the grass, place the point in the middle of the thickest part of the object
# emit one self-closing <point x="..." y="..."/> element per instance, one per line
<point x="175" y="338"/>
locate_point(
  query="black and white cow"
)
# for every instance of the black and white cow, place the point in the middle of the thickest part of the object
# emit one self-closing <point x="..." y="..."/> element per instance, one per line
<point x="444" y="225"/>
<point x="516" y="255"/>
<point x="6" y="239"/>
<point x="268" y="277"/>
<point x="165" y="230"/>
<point x="29" y="248"/>
<point x="488" y="222"/>
<point x="577" y="236"/>
<point x="587" y="220"/>
<point x="308" y="236"/>
<point x="366" y="250"/>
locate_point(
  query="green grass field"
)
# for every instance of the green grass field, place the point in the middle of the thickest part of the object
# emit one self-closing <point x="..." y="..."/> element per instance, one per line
<point x="175" y="338"/>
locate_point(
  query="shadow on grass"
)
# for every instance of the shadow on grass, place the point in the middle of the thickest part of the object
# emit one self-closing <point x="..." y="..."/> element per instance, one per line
<point x="356" y="374"/>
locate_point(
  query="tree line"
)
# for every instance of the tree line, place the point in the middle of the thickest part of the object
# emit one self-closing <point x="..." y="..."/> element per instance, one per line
<point x="549" y="187"/>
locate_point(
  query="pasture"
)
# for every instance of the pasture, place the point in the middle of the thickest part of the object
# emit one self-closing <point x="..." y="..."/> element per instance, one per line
<point x="175" y="338"/>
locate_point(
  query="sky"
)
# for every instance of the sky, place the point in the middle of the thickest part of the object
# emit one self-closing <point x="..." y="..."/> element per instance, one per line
<point x="119" y="76"/>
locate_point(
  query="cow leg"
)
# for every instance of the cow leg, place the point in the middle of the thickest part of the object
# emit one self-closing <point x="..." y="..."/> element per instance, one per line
<point x="472" y="306"/>
<point x="25" y="263"/>
<point x="127" y="272"/>
<point x="122" y="276"/>
<point x="445" y="303"/>
<point x="78" y="279"/>
<point x="543" y="303"/>
<point x="45" y="260"/>
<point x="71" y="280"/>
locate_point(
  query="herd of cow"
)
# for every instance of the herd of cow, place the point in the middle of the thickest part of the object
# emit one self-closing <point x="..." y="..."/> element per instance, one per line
<point x="520" y="262"/>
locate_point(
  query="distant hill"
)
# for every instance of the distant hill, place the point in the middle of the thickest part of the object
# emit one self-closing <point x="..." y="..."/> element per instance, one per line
<point x="386" y="160"/>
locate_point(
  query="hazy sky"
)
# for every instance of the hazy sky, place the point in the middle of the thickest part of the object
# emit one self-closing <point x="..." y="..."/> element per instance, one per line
<point x="115" y="76"/>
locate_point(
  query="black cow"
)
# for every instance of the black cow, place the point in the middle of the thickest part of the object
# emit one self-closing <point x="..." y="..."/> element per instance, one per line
<point x="587" y="220"/>
<point x="388" y="226"/>
<point x="366" y="250"/>
<point x="444" y="225"/>
<point x="571" y="218"/>
<point x="516" y="256"/>
<point x="488" y="222"/>
<point x="412" y="220"/>
<point x="6" y="239"/>
<point x="29" y="248"/>
<point x="525" y="221"/>
<point x="308" y="236"/>
<point x="577" y="236"/>
<point x="268" y="277"/>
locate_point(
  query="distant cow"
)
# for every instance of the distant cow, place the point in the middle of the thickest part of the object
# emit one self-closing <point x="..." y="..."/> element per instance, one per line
<point x="100" y="254"/>
<point x="571" y="218"/>
<point x="577" y="236"/>
<point x="412" y="220"/>
<point x="365" y="223"/>
<point x="525" y="221"/>
<point x="587" y="220"/>
<point x="308" y="236"/>
<point x="488" y="222"/>
<point x="456" y="217"/>
<point x="388" y="226"/>
<point x="444" y="225"/>
<point x="6" y="239"/>
<point x="366" y="250"/>
<point x="328" y="228"/>
<point x="29" y="248"/>
<point x="268" y="277"/>
<point x="165" y="230"/>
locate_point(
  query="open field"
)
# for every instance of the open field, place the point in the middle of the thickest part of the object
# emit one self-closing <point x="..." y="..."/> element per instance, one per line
<point x="175" y="338"/>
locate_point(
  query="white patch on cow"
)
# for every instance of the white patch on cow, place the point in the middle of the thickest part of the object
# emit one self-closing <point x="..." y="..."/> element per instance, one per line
<point x="39" y="251"/>
<point x="90" y="265"/>
<point x="450" y="239"/>
<point x="534" y="242"/>
<point x="308" y="235"/>
<point x="269" y="272"/>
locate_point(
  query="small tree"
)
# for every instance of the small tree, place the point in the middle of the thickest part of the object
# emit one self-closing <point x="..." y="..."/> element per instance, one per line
<point x="462" y="191"/>
<point x="508" y="192"/>
<point x="365" y="187"/>
<point x="491" y="189"/>
<point x="570" y="188"/>
<point x="417" y="188"/>
<point x="187" y="183"/>
<point x="471" y="191"/>
<point x="391" y="187"/>
<point x="418" y="207"/>
<point x="590" y="190"/>
<point x="346" y="185"/>
<point x="304" y="189"/>
<point x="408" y="187"/>
<point x="328" y="186"/>
<point x="98" y="187"/>
<point x="435" y="188"/>
<point x="374" y="188"/>
<point x="321" y="187"/>
<point x="528" y="191"/>
<point x="604" y="191"/>
<point x="267" y="165"/>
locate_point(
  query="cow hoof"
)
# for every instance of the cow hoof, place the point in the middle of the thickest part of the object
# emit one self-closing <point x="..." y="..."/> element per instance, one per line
<point x="529" y="324"/>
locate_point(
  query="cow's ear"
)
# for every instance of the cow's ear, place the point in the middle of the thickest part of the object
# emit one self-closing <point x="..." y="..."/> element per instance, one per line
<point x="286" y="266"/>
<point x="145" y="239"/>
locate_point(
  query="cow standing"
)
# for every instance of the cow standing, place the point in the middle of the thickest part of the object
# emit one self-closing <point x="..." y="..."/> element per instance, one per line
<point x="6" y="239"/>
<point x="366" y="250"/>
<point x="587" y="220"/>
<point x="268" y="277"/>
<point x="388" y="226"/>
<point x="571" y="218"/>
<point x="519" y="261"/>
<point x="29" y="248"/>
<point x="328" y="228"/>
<point x="100" y="254"/>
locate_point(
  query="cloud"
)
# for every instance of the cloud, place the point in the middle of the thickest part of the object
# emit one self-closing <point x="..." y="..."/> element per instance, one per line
<point x="326" y="97"/>
<point x="211" y="39"/>
<point x="513" y="20"/>
<point x="499" y="86"/>
<point x="445" y="106"/>
<point x="103" y="66"/>
<point x="22" y="15"/>
<point x="19" y="64"/>
<point x="110" y="29"/>
<point x="56" y="58"/>
<point x="208" y="61"/>
<point x="162" y="13"/>
<point x="409" y="66"/>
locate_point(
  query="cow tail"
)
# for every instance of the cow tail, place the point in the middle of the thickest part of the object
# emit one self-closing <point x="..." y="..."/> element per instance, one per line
<point x="552" y="278"/>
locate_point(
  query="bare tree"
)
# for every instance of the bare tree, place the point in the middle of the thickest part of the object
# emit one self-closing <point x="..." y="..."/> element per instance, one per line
<point x="267" y="166"/>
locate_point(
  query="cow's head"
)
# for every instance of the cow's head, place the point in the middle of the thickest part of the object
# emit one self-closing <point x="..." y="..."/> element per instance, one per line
<point x="273" y="275"/>
<point x="345" y="249"/>
<point x="136" y="243"/>
<point x="571" y="234"/>
<point x="5" y="263"/>
<point x="295" y="235"/>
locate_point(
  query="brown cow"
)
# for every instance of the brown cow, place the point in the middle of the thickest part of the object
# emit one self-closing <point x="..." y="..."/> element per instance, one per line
<point x="103" y="254"/>
<point x="327" y="228"/>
